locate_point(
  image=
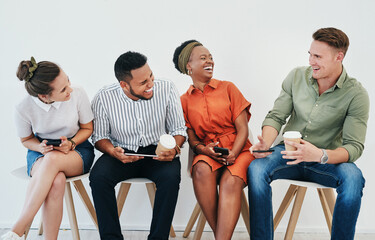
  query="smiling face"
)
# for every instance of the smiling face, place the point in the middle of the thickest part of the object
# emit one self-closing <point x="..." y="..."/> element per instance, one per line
<point x="61" y="89"/>
<point x="141" y="85"/>
<point x="325" y="60"/>
<point x="201" y="63"/>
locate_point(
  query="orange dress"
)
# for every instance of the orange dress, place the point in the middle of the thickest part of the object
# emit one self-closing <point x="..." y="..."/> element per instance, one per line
<point x="211" y="114"/>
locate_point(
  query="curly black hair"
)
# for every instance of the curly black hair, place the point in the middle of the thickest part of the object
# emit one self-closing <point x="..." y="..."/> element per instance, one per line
<point x="127" y="62"/>
<point x="178" y="51"/>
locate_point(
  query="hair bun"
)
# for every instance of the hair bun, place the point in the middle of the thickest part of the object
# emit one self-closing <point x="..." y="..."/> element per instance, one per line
<point x="23" y="70"/>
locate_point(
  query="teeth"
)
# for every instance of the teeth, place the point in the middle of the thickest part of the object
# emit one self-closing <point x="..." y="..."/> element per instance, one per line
<point x="149" y="90"/>
<point x="208" y="68"/>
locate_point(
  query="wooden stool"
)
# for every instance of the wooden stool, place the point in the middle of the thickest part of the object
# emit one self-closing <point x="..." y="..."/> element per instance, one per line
<point x="202" y="219"/>
<point x="151" y="190"/>
<point x="298" y="189"/>
<point x="77" y="183"/>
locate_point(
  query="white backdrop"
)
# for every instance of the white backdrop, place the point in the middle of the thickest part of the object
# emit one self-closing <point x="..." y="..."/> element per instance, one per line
<point x="255" y="43"/>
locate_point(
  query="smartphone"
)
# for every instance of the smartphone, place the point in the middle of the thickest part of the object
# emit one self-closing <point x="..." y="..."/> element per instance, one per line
<point x="263" y="151"/>
<point x="54" y="142"/>
<point x="223" y="151"/>
<point x="140" y="155"/>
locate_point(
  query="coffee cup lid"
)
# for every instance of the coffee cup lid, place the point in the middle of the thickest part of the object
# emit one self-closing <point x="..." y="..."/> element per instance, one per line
<point x="292" y="134"/>
<point x="167" y="141"/>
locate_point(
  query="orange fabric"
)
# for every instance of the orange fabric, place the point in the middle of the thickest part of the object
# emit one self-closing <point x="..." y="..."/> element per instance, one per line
<point x="211" y="114"/>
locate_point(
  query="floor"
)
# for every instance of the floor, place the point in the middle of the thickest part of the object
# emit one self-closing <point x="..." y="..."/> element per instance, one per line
<point x="141" y="235"/>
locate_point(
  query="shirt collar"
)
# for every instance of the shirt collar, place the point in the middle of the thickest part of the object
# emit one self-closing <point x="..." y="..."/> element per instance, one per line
<point x="339" y="83"/>
<point x="44" y="106"/>
<point x="213" y="84"/>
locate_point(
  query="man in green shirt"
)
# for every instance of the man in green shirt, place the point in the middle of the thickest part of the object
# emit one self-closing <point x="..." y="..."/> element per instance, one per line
<point x="330" y="110"/>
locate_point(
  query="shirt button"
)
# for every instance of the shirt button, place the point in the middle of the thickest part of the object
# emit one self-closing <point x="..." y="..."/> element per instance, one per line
<point x="305" y="136"/>
<point x="316" y="105"/>
<point x="309" y="121"/>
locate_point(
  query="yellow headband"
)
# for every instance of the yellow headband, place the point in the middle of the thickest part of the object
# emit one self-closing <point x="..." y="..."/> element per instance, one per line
<point x="184" y="56"/>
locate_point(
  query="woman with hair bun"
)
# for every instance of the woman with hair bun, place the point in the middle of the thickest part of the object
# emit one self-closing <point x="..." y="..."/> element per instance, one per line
<point x="54" y="123"/>
<point x="216" y="114"/>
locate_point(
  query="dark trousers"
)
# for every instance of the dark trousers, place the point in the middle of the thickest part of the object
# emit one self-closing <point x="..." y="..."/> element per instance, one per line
<point x="109" y="171"/>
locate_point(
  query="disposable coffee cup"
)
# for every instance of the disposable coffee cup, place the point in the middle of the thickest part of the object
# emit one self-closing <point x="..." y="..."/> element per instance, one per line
<point x="294" y="136"/>
<point x="166" y="143"/>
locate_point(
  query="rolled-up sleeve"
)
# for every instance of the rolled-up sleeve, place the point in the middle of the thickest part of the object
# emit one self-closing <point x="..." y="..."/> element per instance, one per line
<point x="101" y="121"/>
<point x="175" y="122"/>
<point x="355" y="125"/>
<point x="283" y="105"/>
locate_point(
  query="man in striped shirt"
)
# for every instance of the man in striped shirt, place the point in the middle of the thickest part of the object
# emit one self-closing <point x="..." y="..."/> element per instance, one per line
<point x="129" y="117"/>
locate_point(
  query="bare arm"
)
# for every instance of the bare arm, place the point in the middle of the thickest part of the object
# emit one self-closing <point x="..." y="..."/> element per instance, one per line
<point x="242" y="135"/>
<point x="269" y="135"/>
<point x="307" y="152"/>
<point x="106" y="146"/>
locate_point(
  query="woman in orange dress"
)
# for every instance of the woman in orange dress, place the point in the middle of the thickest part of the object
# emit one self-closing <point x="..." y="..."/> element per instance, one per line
<point x="216" y="114"/>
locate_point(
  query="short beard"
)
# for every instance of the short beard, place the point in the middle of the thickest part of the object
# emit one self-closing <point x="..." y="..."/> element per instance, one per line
<point x="138" y="96"/>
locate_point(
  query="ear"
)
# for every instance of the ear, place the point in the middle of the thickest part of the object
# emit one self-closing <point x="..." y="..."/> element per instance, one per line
<point x="340" y="56"/>
<point x="188" y="67"/>
<point x="124" y="84"/>
<point x="43" y="97"/>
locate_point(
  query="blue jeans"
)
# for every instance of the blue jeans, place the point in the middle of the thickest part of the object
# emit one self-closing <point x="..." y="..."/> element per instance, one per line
<point x="345" y="177"/>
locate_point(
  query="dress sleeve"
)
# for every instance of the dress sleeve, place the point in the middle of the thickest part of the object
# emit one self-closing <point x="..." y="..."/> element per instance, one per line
<point x="185" y="109"/>
<point x="238" y="102"/>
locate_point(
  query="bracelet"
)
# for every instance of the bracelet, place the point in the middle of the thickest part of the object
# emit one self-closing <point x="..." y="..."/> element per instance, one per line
<point x="178" y="149"/>
<point x="194" y="148"/>
<point x="73" y="144"/>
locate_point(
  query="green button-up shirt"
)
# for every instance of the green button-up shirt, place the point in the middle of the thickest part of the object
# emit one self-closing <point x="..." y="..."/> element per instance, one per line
<point x="336" y="118"/>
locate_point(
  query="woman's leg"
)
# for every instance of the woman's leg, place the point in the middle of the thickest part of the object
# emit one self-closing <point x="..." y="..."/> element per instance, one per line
<point x="229" y="206"/>
<point x="53" y="207"/>
<point x="43" y="174"/>
<point x="205" y="188"/>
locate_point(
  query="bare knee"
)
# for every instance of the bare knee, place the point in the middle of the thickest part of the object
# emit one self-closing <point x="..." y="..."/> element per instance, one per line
<point x="231" y="184"/>
<point x="58" y="187"/>
<point x="201" y="171"/>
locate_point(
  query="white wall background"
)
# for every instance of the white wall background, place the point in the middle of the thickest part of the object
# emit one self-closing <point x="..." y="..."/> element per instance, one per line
<point x="254" y="43"/>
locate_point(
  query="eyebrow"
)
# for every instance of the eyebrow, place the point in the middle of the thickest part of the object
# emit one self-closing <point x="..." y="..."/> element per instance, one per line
<point x="62" y="90"/>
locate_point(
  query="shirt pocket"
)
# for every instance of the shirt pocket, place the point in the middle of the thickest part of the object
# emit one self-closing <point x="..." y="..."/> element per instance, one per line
<point x="331" y="117"/>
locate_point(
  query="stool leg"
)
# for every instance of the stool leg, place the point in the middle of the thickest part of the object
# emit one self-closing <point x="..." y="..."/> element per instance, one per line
<point x="40" y="231"/>
<point x="71" y="211"/>
<point x="86" y="200"/>
<point x="327" y="200"/>
<point x="27" y="230"/>
<point x="284" y="205"/>
<point x="200" y="227"/>
<point x="121" y="196"/>
<point x="151" y="189"/>
<point x="193" y="218"/>
<point x="245" y="211"/>
<point x="300" y="195"/>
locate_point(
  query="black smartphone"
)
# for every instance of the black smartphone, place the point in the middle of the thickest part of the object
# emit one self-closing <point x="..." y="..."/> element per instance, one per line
<point x="223" y="151"/>
<point x="54" y="142"/>
<point x="263" y="151"/>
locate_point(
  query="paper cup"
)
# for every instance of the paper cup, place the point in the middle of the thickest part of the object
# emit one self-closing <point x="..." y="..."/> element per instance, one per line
<point x="294" y="136"/>
<point x="166" y="143"/>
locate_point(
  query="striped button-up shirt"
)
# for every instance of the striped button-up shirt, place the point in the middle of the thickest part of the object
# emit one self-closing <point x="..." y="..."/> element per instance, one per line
<point x="132" y="124"/>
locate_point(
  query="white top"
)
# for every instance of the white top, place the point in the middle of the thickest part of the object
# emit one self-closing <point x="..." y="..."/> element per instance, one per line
<point x="132" y="124"/>
<point x="54" y="120"/>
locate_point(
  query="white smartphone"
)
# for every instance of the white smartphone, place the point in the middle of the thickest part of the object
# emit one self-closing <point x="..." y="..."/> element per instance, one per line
<point x="140" y="155"/>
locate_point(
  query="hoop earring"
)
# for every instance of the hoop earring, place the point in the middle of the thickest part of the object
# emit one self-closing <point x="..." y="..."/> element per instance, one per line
<point x="190" y="72"/>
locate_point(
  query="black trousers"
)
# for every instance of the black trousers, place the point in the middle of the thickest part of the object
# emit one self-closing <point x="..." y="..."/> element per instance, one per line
<point x="108" y="172"/>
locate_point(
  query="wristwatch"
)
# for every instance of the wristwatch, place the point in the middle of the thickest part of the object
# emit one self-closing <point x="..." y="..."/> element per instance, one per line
<point x="73" y="144"/>
<point x="324" y="158"/>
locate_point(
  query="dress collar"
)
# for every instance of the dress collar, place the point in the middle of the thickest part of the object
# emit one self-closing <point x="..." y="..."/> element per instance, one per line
<point x="213" y="84"/>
